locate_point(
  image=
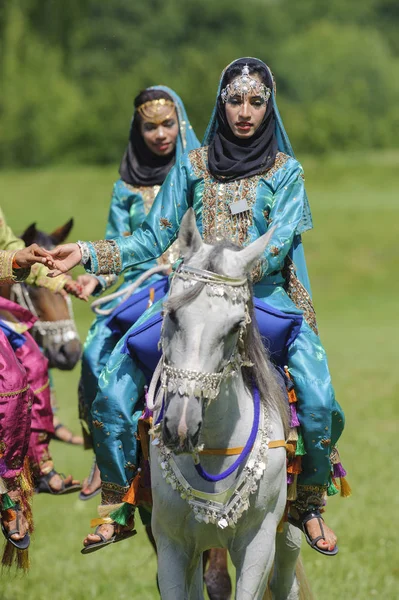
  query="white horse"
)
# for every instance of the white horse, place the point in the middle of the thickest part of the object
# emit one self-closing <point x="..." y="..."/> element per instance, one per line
<point x="218" y="391"/>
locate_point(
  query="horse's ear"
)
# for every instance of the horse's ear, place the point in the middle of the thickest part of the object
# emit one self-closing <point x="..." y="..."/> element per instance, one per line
<point x="189" y="237"/>
<point x="248" y="256"/>
<point x="29" y="235"/>
<point x="60" y="234"/>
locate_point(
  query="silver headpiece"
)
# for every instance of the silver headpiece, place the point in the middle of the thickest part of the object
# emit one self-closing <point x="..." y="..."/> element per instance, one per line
<point x="243" y="85"/>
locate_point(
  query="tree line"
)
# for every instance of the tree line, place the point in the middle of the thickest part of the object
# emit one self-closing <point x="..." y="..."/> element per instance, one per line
<point x="69" y="70"/>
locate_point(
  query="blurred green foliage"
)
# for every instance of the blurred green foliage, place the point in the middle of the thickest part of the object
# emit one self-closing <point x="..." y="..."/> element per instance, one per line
<point x="69" y="70"/>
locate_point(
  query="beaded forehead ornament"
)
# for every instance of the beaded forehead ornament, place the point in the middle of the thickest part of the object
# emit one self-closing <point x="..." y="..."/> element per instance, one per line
<point x="152" y="110"/>
<point x="243" y="85"/>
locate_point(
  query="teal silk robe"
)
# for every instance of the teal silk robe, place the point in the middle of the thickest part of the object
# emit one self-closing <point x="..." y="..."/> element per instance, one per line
<point x="129" y="207"/>
<point x="276" y="198"/>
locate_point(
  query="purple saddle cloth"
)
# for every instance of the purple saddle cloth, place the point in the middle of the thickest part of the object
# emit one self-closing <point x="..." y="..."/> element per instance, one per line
<point x="278" y="330"/>
<point x="127" y="313"/>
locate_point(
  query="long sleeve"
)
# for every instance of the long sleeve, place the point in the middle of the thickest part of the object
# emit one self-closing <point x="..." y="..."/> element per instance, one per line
<point x="285" y="215"/>
<point x="158" y="231"/>
<point x="119" y="222"/>
<point x="8" y="240"/>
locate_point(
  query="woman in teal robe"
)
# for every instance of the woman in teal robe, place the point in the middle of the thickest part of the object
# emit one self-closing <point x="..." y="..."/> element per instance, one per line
<point x="141" y="174"/>
<point x="237" y="190"/>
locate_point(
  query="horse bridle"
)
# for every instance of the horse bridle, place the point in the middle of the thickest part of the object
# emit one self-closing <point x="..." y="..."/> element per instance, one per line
<point x="202" y="385"/>
<point x="46" y="332"/>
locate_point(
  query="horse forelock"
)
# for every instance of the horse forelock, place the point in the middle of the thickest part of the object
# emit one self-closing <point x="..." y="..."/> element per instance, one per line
<point x="213" y="262"/>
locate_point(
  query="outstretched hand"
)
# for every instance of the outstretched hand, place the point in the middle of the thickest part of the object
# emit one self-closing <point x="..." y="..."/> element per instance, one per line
<point x="26" y="257"/>
<point x="63" y="258"/>
<point x="88" y="284"/>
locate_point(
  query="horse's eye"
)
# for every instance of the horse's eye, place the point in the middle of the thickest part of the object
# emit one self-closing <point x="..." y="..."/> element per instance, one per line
<point x="172" y="316"/>
<point x="236" y="327"/>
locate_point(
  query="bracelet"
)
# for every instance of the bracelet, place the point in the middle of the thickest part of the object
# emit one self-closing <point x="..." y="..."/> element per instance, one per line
<point x="84" y="251"/>
<point x="15" y="265"/>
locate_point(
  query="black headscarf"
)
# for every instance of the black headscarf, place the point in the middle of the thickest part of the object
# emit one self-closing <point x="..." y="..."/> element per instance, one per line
<point x="230" y="157"/>
<point x="140" y="166"/>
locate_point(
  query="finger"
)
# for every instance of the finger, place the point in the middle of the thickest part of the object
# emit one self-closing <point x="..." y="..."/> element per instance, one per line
<point x="54" y="273"/>
<point x="37" y="250"/>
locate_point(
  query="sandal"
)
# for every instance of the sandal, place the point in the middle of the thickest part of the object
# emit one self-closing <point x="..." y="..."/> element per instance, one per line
<point x="23" y="543"/>
<point x="117" y="537"/>
<point x="43" y="485"/>
<point x="90" y="478"/>
<point x="70" y="436"/>
<point x="301" y="524"/>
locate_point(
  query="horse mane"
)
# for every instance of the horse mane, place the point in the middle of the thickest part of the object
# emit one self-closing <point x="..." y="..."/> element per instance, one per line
<point x="262" y="373"/>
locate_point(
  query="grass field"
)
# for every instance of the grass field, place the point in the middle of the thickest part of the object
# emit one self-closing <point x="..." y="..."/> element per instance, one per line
<point x="352" y="258"/>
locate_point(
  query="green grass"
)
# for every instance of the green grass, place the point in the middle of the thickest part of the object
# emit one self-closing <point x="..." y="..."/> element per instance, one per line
<point x="352" y="258"/>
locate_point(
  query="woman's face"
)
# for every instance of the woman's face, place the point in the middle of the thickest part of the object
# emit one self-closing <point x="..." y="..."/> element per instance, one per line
<point x="160" y="136"/>
<point x="244" y="114"/>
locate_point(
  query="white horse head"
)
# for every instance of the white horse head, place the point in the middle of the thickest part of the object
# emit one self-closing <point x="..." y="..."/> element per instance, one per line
<point x="204" y="328"/>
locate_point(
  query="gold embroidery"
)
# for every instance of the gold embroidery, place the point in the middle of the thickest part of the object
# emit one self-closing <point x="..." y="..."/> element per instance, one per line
<point x="42" y="388"/>
<point x="217" y="221"/>
<point x="148" y="193"/>
<point x="165" y="223"/>
<point x="98" y="424"/>
<point x="16" y="393"/>
<point x="274" y="250"/>
<point x="309" y="496"/>
<point x="112" y="493"/>
<point x="107" y="255"/>
<point x="298" y="294"/>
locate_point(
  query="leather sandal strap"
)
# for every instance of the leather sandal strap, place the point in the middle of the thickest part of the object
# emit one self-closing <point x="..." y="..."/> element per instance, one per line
<point x="100" y="535"/>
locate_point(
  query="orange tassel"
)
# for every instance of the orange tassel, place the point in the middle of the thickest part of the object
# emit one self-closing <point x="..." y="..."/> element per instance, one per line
<point x="295" y="466"/>
<point x="346" y="490"/>
<point x="132" y="495"/>
<point x="290" y="447"/>
<point x="292" y="396"/>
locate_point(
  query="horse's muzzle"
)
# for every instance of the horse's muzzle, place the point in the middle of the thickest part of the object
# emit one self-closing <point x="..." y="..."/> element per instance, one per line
<point x="64" y="356"/>
<point x="177" y="444"/>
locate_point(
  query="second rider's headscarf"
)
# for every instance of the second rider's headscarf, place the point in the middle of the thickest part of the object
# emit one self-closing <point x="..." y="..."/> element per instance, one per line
<point x="230" y="157"/>
<point x="140" y="166"/>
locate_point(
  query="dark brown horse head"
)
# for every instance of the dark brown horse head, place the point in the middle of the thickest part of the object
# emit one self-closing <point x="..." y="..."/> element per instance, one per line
<point x="55" y="330"/>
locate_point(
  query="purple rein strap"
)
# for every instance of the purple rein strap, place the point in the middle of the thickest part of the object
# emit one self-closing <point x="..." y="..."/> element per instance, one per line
<point x="247" y="448"/>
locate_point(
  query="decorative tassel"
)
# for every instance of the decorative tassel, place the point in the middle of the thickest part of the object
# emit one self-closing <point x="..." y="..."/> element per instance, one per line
<point x="292" y="396"/>
<point x="290" y="447"/>
<point x="101" y="521"/>
<point x="292" y="489"/>
<point x="346" y="490"/>
<point x="295" y="466"/>
<point x="300" y="446"/>
<point x="290" y="478"/>
<point x="104" y="510"/>
<point x="332" y="488"/>
<point x="3" y="487"/>
<point x="338" y="471"/>
<point x="6" y="502"/>
<point x="292" y="435"/>
<point x="23" y="562"/>
<point x="294" y="417"/>
<point x="131" y="495"/>
<point x="8" y="557"/>
<point x="123" y="514"/>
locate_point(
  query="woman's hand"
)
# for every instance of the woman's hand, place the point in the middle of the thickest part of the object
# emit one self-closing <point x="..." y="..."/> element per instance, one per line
<point x="26" y="257"/>
<point x="63" y="258"/>
<point x="88" y="284"/>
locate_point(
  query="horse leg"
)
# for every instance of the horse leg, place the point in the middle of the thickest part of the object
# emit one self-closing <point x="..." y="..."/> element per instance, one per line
<point x="179" y="570"/>
<point x="216" y="576"/>
<point x="253" y="559"/>
<point x="284" y="585"/>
